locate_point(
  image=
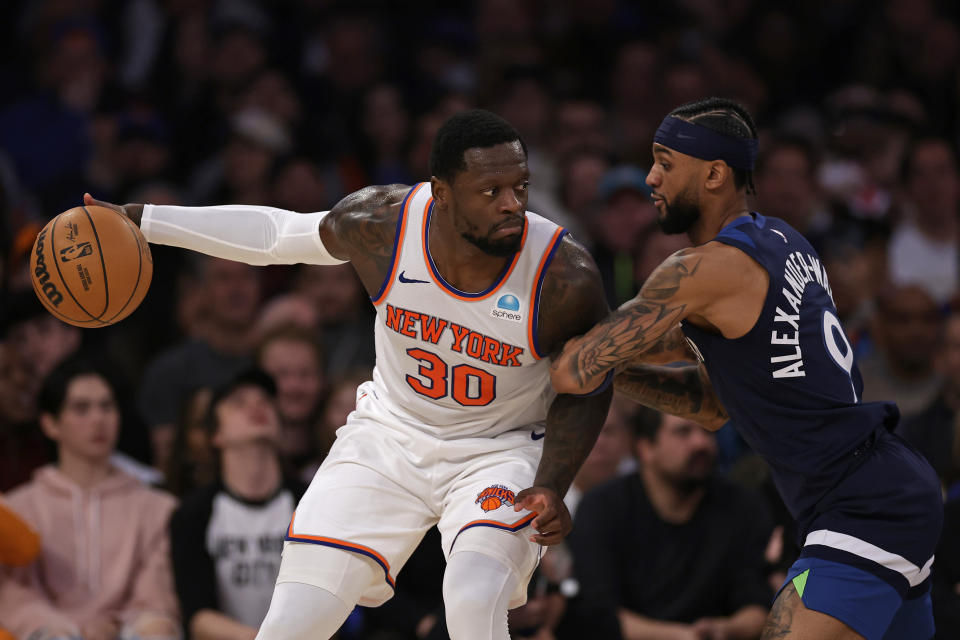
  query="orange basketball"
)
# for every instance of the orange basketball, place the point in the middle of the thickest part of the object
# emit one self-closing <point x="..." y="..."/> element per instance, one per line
<point x="91" y="267"/>
<point x="491" y="503"/>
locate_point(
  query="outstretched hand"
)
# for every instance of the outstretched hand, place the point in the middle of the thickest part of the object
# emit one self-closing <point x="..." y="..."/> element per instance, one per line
<point x="132" y="211"/>
<point x="552" y="521"/>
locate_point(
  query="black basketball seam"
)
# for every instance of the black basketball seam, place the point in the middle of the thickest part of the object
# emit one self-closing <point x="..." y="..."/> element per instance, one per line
<point x="53" y="250"/>
<point x="139" y="268"/>
<point x="103" y="265"/>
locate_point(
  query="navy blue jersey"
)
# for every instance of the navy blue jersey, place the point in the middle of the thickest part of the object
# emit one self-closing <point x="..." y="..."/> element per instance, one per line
<point x="790" y="385"/>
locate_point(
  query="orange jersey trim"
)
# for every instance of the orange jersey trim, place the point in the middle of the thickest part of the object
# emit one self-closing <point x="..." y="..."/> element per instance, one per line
<point x="496" y="524"/>
<point x="397" y="246"/>
<point x="534" y="315"/>
<point x="344" y="545"/>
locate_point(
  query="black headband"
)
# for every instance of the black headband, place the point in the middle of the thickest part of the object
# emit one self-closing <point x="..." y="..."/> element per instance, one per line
<point x="706" y="144"/>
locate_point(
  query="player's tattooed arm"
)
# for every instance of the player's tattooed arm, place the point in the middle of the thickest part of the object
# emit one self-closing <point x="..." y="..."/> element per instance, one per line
<point x="665" y="299"/>
<point x="571" y="301"/>
<point x="362" y="228"/>
<point x="683" y="391"/>
<point x="671" y="347"/>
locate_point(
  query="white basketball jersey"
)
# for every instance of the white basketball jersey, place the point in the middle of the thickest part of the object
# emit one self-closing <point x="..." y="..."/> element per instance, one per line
<point x="458" y="364"/>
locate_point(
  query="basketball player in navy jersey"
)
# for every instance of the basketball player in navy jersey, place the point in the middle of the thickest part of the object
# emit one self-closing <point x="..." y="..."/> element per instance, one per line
<point x="750" y="305"/>
<point x="473" y="293"/>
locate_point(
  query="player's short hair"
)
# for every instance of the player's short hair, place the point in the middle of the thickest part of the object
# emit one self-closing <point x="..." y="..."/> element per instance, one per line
<point x="645" y="423"/>
<point x="726" y="117"/>
<point x="476" y="128"/>
<point x="53" y="392"/>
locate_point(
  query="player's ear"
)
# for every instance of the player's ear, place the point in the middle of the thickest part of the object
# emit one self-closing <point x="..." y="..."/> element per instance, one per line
<point x="718" y="172"/>
<point x="440" y="190"/>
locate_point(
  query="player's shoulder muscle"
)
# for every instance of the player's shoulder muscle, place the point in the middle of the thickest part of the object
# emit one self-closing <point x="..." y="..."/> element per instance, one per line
<point x="572" y="299"/>
<point x="364" y="222"/>
<point x="697" y="276"/>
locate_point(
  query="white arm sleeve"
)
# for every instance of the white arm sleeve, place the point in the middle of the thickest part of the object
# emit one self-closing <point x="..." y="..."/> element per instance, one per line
<point x="243" y="233"/>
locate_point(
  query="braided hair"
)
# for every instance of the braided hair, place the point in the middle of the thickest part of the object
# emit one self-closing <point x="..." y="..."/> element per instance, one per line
<point x="726" y="117"/>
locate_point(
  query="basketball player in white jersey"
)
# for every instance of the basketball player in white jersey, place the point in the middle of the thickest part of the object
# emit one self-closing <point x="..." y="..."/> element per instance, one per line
<point x="473" y="293"/>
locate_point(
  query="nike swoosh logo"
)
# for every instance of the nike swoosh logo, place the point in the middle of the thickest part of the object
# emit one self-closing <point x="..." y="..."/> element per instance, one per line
<point x="536" y="436"/>
<point x="403" y="279"/>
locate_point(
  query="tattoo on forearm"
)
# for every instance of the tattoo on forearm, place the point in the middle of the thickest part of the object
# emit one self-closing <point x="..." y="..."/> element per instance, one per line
<point x="632" y="330"/>
<point x="680" y="391"/>
<point x="623" y="336"/>
<point x="667" y="343"/>
<point x="573" y="425"/>
<point x="672" y="344"/>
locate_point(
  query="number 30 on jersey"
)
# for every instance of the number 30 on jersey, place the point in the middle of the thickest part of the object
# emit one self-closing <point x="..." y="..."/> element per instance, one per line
<point x="468" y="385"/>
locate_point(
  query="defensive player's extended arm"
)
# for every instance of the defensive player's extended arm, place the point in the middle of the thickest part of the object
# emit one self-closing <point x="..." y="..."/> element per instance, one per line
<point x="618" y="340"/>
<point x="572" y="301"/>
<point x="671" y="347"/>
<point x="361" y="224"/>
<point x="683" y="391"/>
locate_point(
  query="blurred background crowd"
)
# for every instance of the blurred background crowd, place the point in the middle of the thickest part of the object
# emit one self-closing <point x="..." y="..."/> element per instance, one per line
<point x="296" y="103"/>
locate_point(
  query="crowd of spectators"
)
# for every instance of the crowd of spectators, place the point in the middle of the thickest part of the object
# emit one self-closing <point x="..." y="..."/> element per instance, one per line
<point x="218" y="398"/>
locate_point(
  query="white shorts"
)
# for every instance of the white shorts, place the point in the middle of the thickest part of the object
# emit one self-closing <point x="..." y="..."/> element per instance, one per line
<point x="384" y="485"/>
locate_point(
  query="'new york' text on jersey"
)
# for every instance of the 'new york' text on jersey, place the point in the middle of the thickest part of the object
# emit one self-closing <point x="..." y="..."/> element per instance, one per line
<point x="459" y="364"/>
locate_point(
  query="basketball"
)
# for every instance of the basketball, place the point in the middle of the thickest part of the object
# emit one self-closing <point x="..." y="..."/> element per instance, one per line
<point x="90" y="266"/>
<point x="491" y="503"/>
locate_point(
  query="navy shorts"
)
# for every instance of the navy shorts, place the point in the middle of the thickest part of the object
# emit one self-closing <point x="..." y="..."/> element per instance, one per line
<point x="868" y="552"/>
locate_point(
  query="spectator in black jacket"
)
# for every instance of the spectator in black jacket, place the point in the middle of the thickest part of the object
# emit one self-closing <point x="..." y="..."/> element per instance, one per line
<point x="672" y="551"/>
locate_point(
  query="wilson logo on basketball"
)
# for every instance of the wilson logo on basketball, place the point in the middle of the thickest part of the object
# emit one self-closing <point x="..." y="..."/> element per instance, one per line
<point x="42" y="276"/>
<point x="494" y="497"/>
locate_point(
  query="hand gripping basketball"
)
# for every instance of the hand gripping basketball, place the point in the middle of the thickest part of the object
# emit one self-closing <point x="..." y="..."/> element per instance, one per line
<point x="131" y="211"/>
<point x="90" y="265"/>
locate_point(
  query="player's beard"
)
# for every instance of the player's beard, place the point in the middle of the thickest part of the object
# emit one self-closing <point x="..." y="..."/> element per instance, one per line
<point x="499" y="248"/>
<point x="679" y="216"/>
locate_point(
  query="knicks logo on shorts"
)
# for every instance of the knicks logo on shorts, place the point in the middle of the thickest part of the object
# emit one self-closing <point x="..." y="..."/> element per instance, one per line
<point x="494" y="497"/>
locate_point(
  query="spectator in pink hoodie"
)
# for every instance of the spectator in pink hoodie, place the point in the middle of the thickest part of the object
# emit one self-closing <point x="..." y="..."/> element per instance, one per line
<point x="104" y="568"/>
